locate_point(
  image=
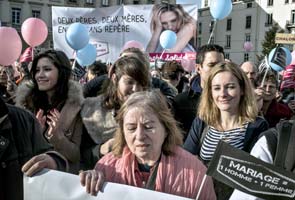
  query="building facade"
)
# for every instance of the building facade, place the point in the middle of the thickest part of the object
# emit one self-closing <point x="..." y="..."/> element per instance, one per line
<point x="248" y="21"/>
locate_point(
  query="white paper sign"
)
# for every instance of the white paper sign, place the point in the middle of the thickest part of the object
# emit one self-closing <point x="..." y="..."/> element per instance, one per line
<point x="55" y="185"/>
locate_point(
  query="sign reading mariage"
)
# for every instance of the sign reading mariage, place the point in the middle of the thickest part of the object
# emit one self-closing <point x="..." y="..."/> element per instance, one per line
<point x="109" y="27"/>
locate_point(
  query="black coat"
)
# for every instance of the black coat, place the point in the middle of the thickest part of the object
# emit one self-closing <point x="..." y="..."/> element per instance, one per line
<point x="20" y="140"/>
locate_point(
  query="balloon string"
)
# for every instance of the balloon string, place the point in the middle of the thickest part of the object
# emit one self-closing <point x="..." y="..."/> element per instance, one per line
<point x="32" y="53"/>
<point x="162" y="54"/>
<point x="74" y="63"/>
<point x="212" y="32"/>
<point x="201" y="187"/>
<point x="266" y="71"/>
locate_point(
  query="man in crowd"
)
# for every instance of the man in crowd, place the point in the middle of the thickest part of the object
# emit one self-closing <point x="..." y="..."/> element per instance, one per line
<point x="251" y="71"/>
<point x="208" y="55"/>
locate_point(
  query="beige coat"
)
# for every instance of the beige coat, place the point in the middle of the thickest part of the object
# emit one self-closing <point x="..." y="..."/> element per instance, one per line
<point x="99" y="122"/>
<point x="69" y="126"/>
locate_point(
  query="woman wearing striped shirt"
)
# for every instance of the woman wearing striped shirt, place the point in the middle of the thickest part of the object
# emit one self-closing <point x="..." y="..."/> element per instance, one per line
<point x="227" y="111"/>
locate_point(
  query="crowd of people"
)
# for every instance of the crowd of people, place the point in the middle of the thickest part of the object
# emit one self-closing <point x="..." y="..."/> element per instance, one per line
<point x="125" y="125"/>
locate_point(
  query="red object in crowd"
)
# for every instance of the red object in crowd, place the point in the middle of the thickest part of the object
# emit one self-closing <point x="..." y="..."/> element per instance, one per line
<point x="288" y="77"/>
<point x="27" y="55"/>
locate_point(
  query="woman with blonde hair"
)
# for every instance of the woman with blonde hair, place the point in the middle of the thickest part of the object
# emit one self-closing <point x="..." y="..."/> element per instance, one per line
<point x="227" y="111"/>
<point x="147" y="152"/>
<point x="175" y="18"/>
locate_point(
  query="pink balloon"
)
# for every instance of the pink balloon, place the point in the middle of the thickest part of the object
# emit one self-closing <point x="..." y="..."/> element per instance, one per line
<point x="248" y="46"/>
<point x="133" y="43"/>
<point x="34" y="31"/>
<point x="10" y="46"/>
<point x="188" y="64"/>
<point x="293" y="58"/>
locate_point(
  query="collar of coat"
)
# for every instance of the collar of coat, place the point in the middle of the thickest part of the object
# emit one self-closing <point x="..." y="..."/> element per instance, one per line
<point x="75" y="94"/>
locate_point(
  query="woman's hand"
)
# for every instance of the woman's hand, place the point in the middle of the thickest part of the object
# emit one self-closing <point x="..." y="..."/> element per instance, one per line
<point x="37" y="163"/>
<point x="157" y="22"/>
<point x="41" y="118"/>
<point x="93" y="181"/>
<point x="53" y="117"/>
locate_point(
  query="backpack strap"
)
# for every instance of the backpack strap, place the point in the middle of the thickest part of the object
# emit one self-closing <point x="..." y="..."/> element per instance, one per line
<point x="271" y="136"/>
<point x="204" y="133"/>
<point x="284" y="131"/>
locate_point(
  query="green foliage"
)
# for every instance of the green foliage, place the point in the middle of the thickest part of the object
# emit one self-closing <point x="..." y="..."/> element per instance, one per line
<point x="269" y="39"/>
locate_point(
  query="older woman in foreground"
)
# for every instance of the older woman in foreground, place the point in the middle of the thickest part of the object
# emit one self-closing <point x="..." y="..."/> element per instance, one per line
<point x="147" y="152"/>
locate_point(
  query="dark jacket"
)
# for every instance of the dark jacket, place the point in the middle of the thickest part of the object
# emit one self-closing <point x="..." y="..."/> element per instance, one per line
<point x="185" y="105"/>
<point x="185" y="109"/>
<point x="276" y="112"/>
<point x="193" y="143"/>
<point x="20" y="140"/>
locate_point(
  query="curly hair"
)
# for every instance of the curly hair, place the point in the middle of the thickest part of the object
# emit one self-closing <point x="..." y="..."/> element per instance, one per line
<point x="181" y="14"/>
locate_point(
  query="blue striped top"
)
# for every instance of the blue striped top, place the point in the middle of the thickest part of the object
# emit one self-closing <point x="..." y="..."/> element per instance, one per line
<point x="234" y="137"/>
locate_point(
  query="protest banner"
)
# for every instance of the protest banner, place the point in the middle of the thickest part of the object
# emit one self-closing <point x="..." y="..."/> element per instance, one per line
<point x="51" y="184"/>
<point x="109" y="27"/>
<point x="244" y="172"/>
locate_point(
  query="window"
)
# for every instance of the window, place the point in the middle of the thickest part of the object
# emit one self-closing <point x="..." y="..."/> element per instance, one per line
<point x="136" y="2"/>
<point x="72" y="1"/>
<point x="293" y="16"/>
<point x="226" y="56"/>
<point x="268" y="19"/>
<point x="269" y="2"/>
<point x="249" y="5"/>
<point x="15" y="14"/>
<point x="36" y="13"/>
<point x="286" y="1"/>
<point x="89" y="1"/>
<point x="246" y="57"/>
<point x="228" y="24"/>
<point x="247" y="37"/>
<point x="248" y="22"/>
<point x="206" y="3"/>
<point x="200" y="28"/>
<point x="228" y="40"/>
<point x="105" y="2"/>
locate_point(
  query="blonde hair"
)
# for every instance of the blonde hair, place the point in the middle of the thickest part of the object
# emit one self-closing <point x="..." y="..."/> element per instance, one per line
<point x="156" y="103"/>
<point x="209" y="112"/>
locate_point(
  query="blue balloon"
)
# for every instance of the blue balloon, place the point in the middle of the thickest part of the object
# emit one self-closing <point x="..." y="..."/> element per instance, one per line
<point x="280" y="60"/>
<point x="168" y="39"/>
<point x="220" y="9"/>
<point x="87" y="55"/>
<point x="77" y="36"/>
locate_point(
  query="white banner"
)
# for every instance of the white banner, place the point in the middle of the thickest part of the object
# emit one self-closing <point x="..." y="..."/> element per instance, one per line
<point x="55" y="185"/>
<point x="109" y="27"/>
